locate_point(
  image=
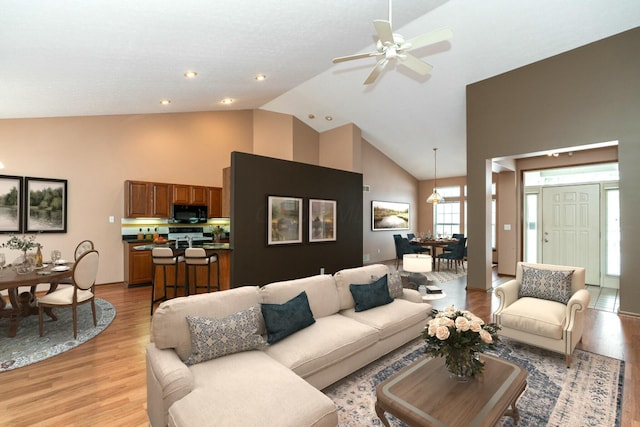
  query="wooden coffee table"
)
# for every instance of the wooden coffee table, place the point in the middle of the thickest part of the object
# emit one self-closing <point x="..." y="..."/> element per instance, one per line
<point x="423" y="394"/>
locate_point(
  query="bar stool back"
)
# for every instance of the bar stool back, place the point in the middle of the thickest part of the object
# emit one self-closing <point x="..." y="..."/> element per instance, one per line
<point x="197" y="257"/>
<point x="164" y="257"/>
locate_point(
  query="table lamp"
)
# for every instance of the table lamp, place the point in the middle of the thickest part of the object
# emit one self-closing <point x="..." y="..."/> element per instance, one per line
<point x="416" y="264"/>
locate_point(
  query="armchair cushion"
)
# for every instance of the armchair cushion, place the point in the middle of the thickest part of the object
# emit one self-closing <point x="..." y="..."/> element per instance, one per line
<point x="553" y="285"/>
<point x="212" y="338"/>
<point x="536" y="316"/>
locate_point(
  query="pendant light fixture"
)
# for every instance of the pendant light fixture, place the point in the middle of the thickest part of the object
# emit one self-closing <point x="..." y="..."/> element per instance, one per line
<point x="435" y="197"/>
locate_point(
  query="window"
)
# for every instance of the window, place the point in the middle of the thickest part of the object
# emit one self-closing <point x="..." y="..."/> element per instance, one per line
<point x="447" y="217"/>
<point x="531" y="228"/>
<point x="612" y="232"/>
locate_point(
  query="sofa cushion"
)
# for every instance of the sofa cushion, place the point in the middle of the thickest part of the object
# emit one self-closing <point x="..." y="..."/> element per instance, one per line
<point x="372" y="295"/>
<point x="211" y="338"/>
<point x="394" y="282"/>
<point x="321" y="292"/>
<point x="325" y="343"/>
<point x="391" y="318"/>
<point x="553" y="285"/>
<point x="346" y="277"/>
<point x="282" y="320"/>
<point x="169" y="328"/>
<point x="250" y="389"/>
<point x="536" y="316"/>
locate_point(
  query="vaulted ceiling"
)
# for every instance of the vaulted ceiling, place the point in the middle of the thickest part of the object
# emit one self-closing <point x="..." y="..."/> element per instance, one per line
<point x="101" y="57"/>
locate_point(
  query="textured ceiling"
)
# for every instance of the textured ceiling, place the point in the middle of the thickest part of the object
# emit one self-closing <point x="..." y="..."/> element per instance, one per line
<point x="74" y="58"/>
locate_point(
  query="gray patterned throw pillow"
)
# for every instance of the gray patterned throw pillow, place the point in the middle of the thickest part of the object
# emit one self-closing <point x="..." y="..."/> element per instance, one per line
<point x="553" y="285"/>
<point x="394" y="283"/>
<point x="211" y="338"/>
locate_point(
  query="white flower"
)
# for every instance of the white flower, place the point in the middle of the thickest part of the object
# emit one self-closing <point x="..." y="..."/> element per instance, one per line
<point x="486" y="336"/>
<point x="442" y="333"/>
<point x="475" y="326"/>
<point x="462" y="324"/>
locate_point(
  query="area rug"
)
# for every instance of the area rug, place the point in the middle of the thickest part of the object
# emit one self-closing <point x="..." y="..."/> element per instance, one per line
<point x="587" y="394"/>
<point x="28" y="347"/>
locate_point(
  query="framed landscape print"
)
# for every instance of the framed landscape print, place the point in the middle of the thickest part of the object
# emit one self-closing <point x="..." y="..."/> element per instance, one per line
<point x="389" y="216"/>
<point x="46" y="205"/>
<point x="322" y="220"/>
<point x="11" y="204"/>
<point x="284" y="220"/>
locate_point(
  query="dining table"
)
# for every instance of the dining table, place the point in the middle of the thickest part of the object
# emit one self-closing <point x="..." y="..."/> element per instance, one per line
<point x="433" y="244"/>
<point x="23" y="304"/>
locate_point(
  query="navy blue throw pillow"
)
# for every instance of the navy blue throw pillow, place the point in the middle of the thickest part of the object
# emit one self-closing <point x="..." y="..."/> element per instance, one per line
<point x="372" y="295"/>
<point x="283" y="320"/>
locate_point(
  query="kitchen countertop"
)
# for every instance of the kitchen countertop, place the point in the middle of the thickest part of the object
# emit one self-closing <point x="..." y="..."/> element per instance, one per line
<point x="205" y="246"/>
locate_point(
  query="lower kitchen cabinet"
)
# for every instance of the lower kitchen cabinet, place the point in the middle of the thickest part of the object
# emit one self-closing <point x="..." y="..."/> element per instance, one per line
<point x="137" y="265"/>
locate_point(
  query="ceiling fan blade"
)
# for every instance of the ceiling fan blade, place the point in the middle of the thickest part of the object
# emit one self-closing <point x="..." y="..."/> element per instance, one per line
<point x="427" y="39"/>
<point x="415" y="64"/>
<point x="383" y="28"/>
<point x="376" y="71"/>
<point x="352" y="57"/>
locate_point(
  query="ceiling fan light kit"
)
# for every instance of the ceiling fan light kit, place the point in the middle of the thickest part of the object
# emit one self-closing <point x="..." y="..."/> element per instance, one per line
<point x="392" y="46"/>
<point x="435" y="197"/>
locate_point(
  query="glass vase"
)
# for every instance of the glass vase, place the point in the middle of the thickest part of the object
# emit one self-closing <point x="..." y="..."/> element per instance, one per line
<point x="463" y="365"/>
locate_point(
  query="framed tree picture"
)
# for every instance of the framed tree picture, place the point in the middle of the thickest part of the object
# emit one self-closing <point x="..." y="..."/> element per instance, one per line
<point x="46" y="205"/>
<point x="389" y="216"/>
<point x="11" y="205"/>
<point x="284" y="220"/>
<point x="322" y="220"/>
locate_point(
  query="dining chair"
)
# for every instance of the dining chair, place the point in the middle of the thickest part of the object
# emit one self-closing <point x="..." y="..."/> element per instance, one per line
<point x="456" y="255"/>
<point x="404" y="247"/>
<point x="83" y="276"/>
<point x="197" y="257"/>
<point x="449" y="248"/>
<point x="84" y="246"/>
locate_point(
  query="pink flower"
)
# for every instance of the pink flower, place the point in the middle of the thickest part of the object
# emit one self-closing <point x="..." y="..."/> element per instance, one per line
<point x="442" y="333"/>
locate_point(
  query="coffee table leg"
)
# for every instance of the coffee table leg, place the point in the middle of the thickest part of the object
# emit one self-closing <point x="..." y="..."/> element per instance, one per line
<point x="380" y="414"/>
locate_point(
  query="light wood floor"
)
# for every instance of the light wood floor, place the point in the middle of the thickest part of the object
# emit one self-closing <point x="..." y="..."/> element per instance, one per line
<point x="102" y="382"/>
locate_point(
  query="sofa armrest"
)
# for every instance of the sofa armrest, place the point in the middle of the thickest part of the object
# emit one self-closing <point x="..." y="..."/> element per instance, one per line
<point x="411" y="295"/>
<point x="507" y="294"/>
<point x="168" y="380"/>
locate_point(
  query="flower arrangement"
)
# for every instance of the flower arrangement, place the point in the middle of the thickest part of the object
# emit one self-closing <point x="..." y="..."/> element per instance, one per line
<point x="23" y="243"/>
<point x="458" y="336"/>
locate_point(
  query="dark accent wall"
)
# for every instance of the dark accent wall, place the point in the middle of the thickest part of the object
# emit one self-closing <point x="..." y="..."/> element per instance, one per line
<point x="253" y="179"/>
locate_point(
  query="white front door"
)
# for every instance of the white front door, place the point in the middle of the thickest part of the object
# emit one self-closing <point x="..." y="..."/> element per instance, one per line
<point x="571" y="228"/>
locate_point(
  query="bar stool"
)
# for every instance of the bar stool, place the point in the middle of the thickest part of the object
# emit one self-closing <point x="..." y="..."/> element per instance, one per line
<point x="164" y="257"/>
<point x="197" y="257"/>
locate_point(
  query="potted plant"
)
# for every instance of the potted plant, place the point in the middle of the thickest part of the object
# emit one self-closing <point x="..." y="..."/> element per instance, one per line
<point x="23" y="243"/>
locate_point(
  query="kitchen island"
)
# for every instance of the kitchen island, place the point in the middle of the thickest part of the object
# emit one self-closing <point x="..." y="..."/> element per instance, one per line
<point x="221" y="250"/>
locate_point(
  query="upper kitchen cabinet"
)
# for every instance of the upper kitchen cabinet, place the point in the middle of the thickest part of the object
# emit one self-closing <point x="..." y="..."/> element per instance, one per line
<point x="215" y="202"/>
<point x="189" y="195"/>
<point x="147" y="199"/>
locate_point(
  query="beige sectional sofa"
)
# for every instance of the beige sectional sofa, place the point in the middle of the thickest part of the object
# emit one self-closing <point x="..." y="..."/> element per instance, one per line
<point x="277" y="384"/>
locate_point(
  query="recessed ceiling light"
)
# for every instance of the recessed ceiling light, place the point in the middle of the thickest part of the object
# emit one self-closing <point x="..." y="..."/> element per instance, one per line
<point x="227" y="101"/>
<point x="311" y="116"/>
<point x="328" y="118"/>
<point x="261" y="77"/>
<point x="165" y="102"/>
<point x="190" y="74"/>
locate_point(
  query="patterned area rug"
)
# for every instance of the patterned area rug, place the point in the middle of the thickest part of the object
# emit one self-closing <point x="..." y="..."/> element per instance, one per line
<point x="588" y="394"/>
<point x="28" y="347"/>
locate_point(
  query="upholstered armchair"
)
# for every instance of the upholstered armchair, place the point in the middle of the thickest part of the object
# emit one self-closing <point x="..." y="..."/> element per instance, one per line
<point x="544" y="306"/>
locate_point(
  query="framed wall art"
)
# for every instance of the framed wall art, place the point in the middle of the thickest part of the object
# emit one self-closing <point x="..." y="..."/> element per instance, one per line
<point x="46" y="205"/>
<point x="284" y="220"/>
<point x="389" y="216"/>
<point x="322" y="220"/>
<point x="11" y="205"/>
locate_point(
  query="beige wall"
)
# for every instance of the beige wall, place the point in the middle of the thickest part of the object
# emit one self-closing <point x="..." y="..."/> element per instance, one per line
<point x="555" y="104"/>
<point x="306" y="143"/>
<point x="506" y="240"/>
<point x="340" y="148"/>
<point x="387" y="182"/>
<point x="273" y="135"/>
<point x="97" y="154"/>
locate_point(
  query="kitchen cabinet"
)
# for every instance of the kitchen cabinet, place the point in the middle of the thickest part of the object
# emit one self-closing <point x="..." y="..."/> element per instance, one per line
<point x="214" y="195"/>
<point x="226" y="193"/>
<point x="137" y="265"/>
<point x="189" y="195"/>
<point x="147" y="199"/>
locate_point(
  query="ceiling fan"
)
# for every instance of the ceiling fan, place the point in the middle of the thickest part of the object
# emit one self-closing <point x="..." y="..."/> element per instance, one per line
<point x="392" y="46"/>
